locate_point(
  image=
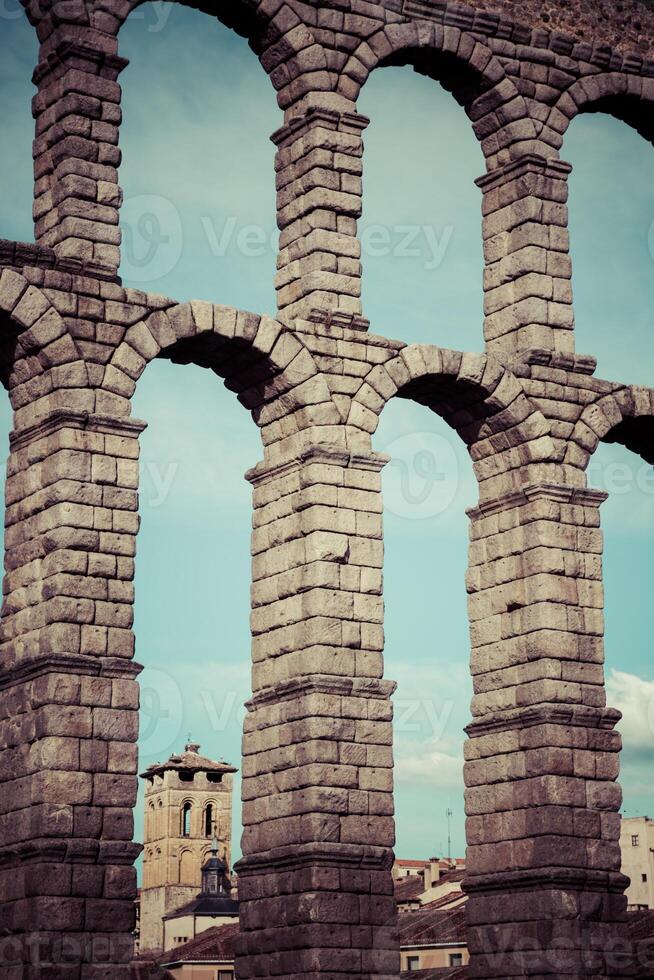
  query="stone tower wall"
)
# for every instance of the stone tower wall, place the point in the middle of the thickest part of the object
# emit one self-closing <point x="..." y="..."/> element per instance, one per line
<point x="546" y="894"/>
<point x="172" y="862"/>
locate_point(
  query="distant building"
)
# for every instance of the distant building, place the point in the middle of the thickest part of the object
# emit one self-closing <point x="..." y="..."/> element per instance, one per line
<point x="432" y="947"/>
<point x="637" y="847"/>
<point x="433" y="938"/>
<point x="403" y="868"/>
<point x="213" y="906"/>
<point x="407" y="869"/>
<point x="448" y="973"/>
<point x="419" y="883"/>
<point x="188" y="800"/>
<point x="208" y="957"/>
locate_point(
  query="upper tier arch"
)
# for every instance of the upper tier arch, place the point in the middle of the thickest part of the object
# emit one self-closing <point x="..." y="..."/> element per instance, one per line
<point x="625" y="416"/>
<point x="266" y="365"/>
<point x="464" y="66"/>
<point x="477" y="397"/>
<point x="629" y="98"/>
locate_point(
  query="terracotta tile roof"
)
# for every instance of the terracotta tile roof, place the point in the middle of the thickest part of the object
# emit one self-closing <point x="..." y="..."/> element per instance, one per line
<point x="432" y="925"/>
<point x="641" y="924"/>
<point x="448" y="899"/>
<point x="409" y="889"/>
<point x="188" y="762"/>
<point x="216" y="944"/>
<point x="454" y="874"/>
<point x="413" y="886"/>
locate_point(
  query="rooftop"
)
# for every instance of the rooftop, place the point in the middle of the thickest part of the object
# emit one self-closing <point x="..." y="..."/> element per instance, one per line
<point x="214" y="945"/>
<point x="207" y="905"/>
<point x="410" y="889"/>
<point x="432" y="924"/>
<point x="189" y="760"/>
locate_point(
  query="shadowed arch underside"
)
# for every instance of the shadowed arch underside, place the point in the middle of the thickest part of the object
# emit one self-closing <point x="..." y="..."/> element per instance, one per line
<point x="476" y="396"/>
<point x="263" y="362"/>
<point x="625" y="416"/>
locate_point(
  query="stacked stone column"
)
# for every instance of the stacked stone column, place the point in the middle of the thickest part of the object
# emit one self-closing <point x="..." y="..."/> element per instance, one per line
<point x="319" y="186"/>
<point x="527" y="278"/>
<point x="76" y="153"/>
<point x="315" y="880"/>
<point x="69" y="699"/>
<point x="543" y="827"/>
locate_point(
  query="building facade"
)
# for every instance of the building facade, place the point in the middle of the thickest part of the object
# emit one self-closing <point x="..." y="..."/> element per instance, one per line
<point x="188" y="801"/>
<point x="433" y="938"/>
<point x="210" y="956"/>
<point x="212" y="906"/>
<point x="418" y="883"/>
<point x="637" y="847"/>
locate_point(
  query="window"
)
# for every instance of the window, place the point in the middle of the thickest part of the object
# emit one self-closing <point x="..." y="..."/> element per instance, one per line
<point x="643" y="877"/>
<point x="635" y="840"/>
<point x="189" y="871"/>
<point x="456" y="959"/>
<point x="209" y="820"/>
<point x="413" y="963"/>
<point x="186" y="820"/>
<point x="225" y="975"/>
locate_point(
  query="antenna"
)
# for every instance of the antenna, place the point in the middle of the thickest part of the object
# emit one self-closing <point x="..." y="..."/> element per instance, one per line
<point x="449" y="815"/>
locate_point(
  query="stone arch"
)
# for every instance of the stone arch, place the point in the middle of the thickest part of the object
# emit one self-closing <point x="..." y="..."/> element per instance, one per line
<point x="462" y="64"/>
<point x="285" y="46"/>
<point x="37" y="353"/>
<point x="477" y="397"/>
<point x="629" y="98"/>
<point x="625" y="416"/>
<point x="264" y="363"/>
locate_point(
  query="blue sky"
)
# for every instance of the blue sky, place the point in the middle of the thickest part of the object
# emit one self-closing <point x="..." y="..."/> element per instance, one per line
<point x="197" y="157"/>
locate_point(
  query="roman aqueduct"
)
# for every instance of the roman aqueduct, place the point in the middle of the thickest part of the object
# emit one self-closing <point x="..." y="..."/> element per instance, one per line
<point x="542" y="753"/>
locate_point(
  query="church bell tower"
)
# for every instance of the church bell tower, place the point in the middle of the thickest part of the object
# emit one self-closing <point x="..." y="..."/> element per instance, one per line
<point x="188" y="801"/>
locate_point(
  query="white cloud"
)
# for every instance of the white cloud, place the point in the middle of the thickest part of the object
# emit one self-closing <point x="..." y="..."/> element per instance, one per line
<point x="634" y="697"/>
<point x="432" y="704"/>
<point x="429" y="764"/>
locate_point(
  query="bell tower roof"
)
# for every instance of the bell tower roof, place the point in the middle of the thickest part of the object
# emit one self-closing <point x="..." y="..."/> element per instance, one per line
<point x="189" y="760"/>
